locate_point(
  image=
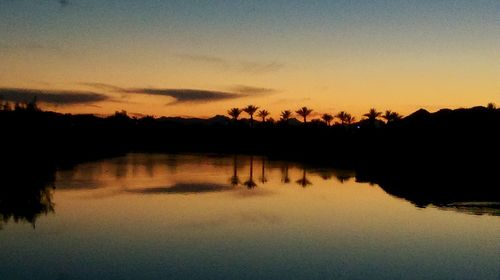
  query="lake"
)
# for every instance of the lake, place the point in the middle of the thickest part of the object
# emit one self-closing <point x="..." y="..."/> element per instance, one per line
<point x="160" y="216"/>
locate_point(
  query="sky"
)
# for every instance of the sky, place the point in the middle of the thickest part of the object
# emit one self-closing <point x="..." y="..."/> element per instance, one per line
<point x="201" y="58"/>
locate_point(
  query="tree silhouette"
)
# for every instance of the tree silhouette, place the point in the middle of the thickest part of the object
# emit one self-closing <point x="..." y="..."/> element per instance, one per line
<point x="390" y="116"/>
<point x="491" y="106"/>
<point x="235" y="180"/>
<point x="285" y="178"/>
<point x="327" y="118"/>
<point x="234" y="113"/>
<point x="345" y="118"/>
<point x="303" y="181"/>
<point x="372" y="115"/>
<point x="349" y="119"/>
<point x="263" y="178"/>
<point x="304" y="112"/>
<point x="33" y="105"/>
<point x="250" y="183"/>
<point x="285" y="116"/>
<point x="250" y="110"/>
<point x="263" y="114"/>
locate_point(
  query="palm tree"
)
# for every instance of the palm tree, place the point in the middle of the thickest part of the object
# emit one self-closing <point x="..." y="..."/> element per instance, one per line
<point x="304" y="112"/>
<point x="372" y="115"/>
<point x="285" y="178"/>
<point x="327" y="118"/>
<point x="349" y="119"/>
<point x="345" y="118"/>
<point x="285" y="116"/>
<point x="303" y="181"/>
<point x="235" y="180"/>
<point x="250" y="183"/>
<point x="263" y="178"/>
<point x="234" y="113"/>
<point x="250" y="110"/>
<point x="341" y="116"/>
<point x="390" y="116"/>
<point x="263" y="114"/>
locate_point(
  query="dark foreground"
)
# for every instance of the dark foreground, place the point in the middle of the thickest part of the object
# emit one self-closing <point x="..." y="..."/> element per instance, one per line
<point x="440" y="158"/>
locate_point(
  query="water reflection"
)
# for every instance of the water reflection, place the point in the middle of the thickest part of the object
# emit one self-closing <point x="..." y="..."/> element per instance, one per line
<point x="24" y="197"/>
<point x="250" y="183"/>
<point x="154" y="216"/>
<point x="304" y="182"/>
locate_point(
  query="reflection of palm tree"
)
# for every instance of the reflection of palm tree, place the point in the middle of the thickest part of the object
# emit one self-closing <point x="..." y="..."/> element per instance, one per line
<point x="263" y="178"/>
<point x="284" y="174"/>
<point x="250" y="182"/>
<point x="263" y="114"/>
<point x="327" y="118"/>
<point x="304" y="112"/>
<point x="250" y="110"/>
<point x="234" y="113"/>
<point x="303" y="181"/>
<point x="235" y="180"/>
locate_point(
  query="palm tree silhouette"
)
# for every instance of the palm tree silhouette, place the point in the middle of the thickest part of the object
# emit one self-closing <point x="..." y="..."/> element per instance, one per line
<point x="304" y="112"/>
<point x="250" y="110"/>
<point x="303" y="181"/>
<point x="349" y="119"/>
<point x="235" y="180"/>
<point x="390" y="116"/>
<point x="234" y="113"/>
<point x="372" y="115"/>
<point x="327" y="118"/>
<point x="250" y="182"/>
<point x="345" y="118"/>
<point x="263" y="114"/>
<point x="285" y="116"/>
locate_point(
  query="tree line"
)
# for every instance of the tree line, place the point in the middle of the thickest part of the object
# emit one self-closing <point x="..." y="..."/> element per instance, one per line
<point x="304" y="112"/>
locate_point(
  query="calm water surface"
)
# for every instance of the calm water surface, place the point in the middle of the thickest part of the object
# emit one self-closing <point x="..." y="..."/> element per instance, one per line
<point x="208" y="217"/>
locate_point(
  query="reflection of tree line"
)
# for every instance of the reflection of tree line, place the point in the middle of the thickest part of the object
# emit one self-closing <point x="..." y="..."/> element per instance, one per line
<point x="303" y="181"/>
<point x="26" y="195"/>
<point x="24" y="198"/>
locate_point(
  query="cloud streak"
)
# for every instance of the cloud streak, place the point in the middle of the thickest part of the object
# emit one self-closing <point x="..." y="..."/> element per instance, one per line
<point x="54" y="97"/>
<point x="233" y="65"/>
<point x="186" y="95"/>
<point x="252" y="90"/>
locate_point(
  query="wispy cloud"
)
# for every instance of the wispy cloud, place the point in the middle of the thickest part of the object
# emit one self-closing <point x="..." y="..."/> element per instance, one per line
<point x="54" y="97"/>
<point x="252" y="90"/>
<point x="259" y="68"/>
<point x="233" y="65"/>
<point x="187" y="95"/>
<point x="104" y="87"/>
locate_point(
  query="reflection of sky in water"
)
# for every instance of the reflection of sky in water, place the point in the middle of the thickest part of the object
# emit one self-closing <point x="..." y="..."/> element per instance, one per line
<point x="160" y="216"/>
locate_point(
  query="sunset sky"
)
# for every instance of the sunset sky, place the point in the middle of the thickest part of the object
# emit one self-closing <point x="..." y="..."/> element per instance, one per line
<point x="200" y="58"/>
